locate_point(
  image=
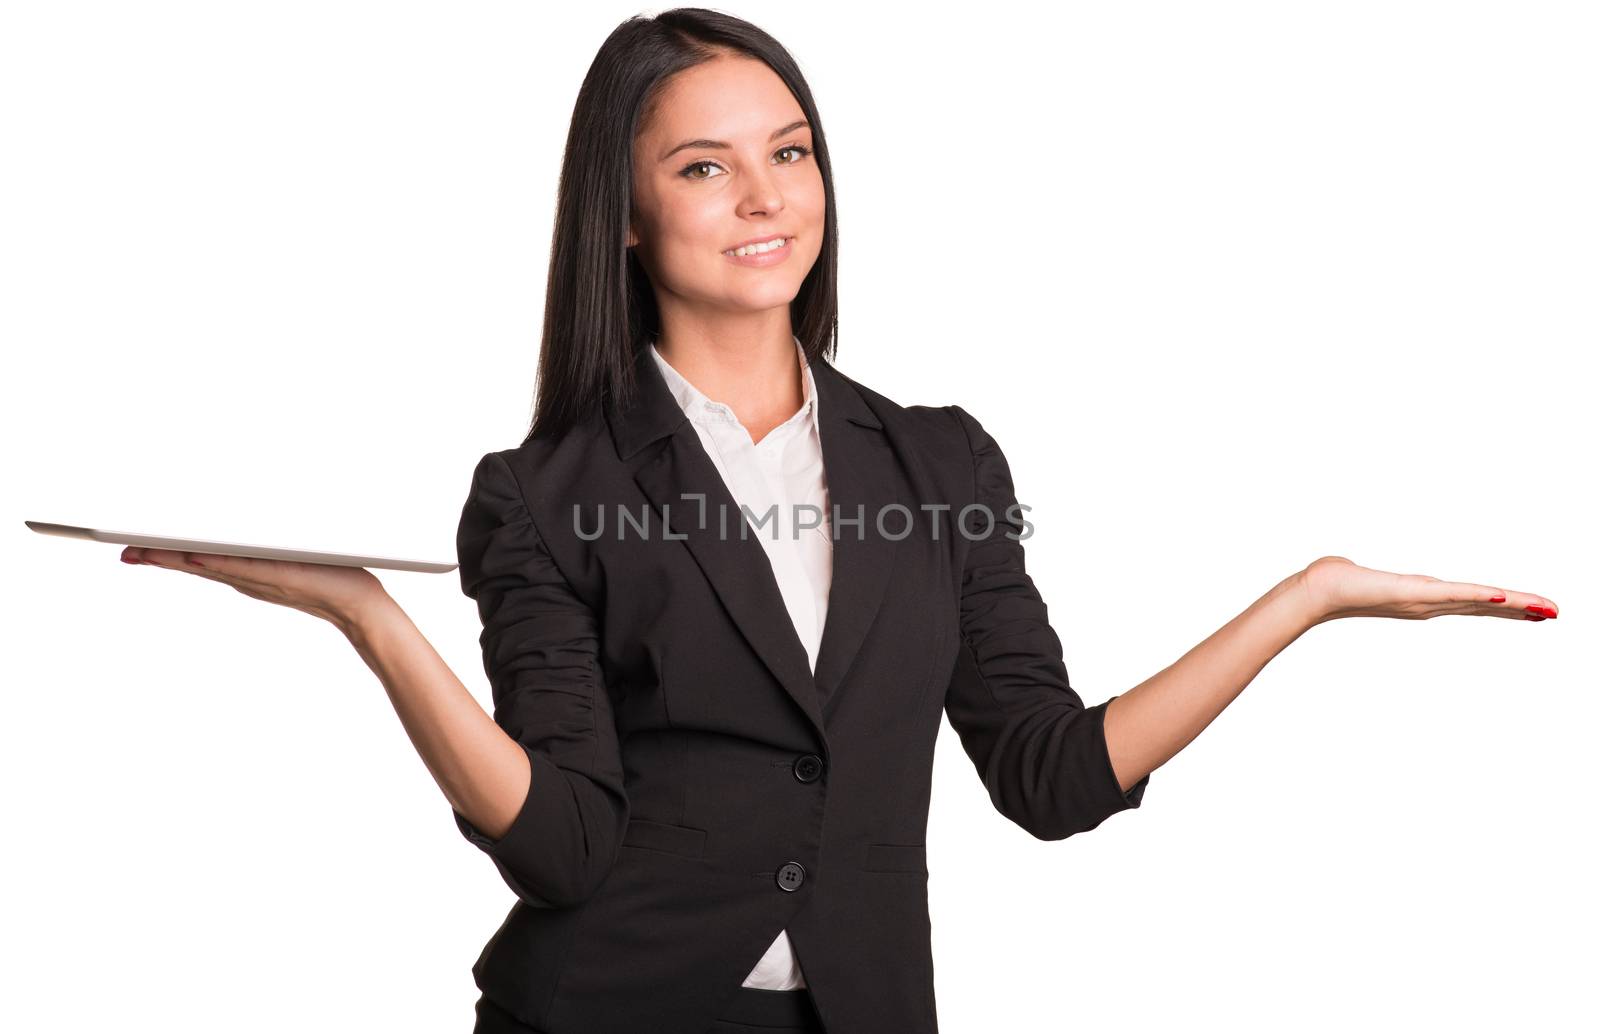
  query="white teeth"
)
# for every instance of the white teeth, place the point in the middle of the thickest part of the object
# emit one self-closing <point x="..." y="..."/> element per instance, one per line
<point x="757" y="249"/>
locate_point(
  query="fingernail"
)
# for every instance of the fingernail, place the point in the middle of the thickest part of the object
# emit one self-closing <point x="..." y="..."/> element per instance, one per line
<point x="1533" y="617"/>
<point x="129" y="560"/>
<point x="1497" y="599"/>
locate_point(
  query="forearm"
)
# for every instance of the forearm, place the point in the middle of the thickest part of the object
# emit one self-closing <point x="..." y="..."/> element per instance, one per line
<point x="483" y="772"/>
<point x="1150" y="723"/>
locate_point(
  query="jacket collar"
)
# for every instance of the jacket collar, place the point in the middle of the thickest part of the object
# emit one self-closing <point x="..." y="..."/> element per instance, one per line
<point x="657" y="413"/>
<point x="682" y="484"/>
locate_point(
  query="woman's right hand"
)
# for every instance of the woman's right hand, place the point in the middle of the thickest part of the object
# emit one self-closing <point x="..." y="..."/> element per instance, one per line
<point x="328" y="591"/>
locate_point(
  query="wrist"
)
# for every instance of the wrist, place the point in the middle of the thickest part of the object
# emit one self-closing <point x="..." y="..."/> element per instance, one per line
<point x="357" y="618"/>
<point x="1303" y="600"/>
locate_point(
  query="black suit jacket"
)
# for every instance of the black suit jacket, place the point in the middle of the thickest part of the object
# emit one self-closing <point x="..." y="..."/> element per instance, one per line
<point x="696" y="788"/>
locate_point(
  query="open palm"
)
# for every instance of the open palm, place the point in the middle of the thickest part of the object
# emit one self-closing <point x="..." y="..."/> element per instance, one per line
<point x="328" y="591"/>
<point x="1342" y="588"/>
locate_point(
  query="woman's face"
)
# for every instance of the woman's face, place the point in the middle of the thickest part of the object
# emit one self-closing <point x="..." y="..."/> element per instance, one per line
<point x="723" y="162"/>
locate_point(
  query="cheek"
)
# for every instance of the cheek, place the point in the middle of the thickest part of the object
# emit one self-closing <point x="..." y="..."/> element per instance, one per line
<point x="675" y="218"/>
<point x="685" y="238"/>
<point x="812" y="206"/>
<point x="692" y="229"/>
<point x="813" y="240"/>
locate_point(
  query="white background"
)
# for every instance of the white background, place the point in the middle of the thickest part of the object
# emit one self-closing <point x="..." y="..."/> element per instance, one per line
<point x="1234" y="285"/>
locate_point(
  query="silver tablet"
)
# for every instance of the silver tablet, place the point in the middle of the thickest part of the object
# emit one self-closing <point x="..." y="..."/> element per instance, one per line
<point x="305" y="556"/>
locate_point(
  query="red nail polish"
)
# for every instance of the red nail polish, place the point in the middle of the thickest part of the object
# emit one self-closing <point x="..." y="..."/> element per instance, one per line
<point x="1497" y="599"/>
<point x="1533" y="617"/>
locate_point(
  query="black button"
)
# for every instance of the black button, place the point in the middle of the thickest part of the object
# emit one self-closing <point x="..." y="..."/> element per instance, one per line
<point x="791" y="876"/>
<point x="807" y="767"/>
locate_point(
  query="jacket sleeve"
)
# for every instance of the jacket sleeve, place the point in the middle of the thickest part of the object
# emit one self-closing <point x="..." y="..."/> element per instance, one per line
<point x="540" y="647"/>
<point x="1042" y="754"/>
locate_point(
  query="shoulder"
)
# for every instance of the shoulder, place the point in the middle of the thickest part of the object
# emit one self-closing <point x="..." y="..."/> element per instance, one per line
<point x="521" y="501"/>
<point x="540" y="481"/>
<point x="942" y="435"/>
<point x="949" y="453"/>
<point x="546" y="471"/>
<point x="913" y="422"/>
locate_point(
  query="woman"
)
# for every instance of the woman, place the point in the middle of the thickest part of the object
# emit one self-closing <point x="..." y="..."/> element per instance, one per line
<point x="706" y="778"/>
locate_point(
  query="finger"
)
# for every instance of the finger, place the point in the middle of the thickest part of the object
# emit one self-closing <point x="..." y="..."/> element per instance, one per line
<point x="160" y="557"/>
<point x="1466" y="592"/>
<point x="1513" y="604"/>
<point x="1509" y="603"/>
<point x="194" y="563"/>
<point x="240" y="570"/>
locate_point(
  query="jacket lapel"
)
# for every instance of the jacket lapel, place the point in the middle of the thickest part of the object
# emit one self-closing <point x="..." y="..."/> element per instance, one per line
<point x="685" y="489"/>
<point x="863" y="479"/>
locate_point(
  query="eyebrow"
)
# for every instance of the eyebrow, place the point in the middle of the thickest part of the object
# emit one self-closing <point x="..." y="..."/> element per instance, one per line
<point x="709" y="144"/>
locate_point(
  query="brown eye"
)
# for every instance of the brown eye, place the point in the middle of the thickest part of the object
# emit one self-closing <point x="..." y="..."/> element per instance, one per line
<point x="687" y="169"/>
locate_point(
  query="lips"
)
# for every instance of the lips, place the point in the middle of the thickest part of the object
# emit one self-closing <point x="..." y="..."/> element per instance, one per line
<point x="773" y="254"/>
<point x="756" y="240"/>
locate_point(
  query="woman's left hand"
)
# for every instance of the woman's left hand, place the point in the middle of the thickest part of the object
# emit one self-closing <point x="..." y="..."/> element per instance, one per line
<point x="328" y="591"/>
<point x="1340" y="588"/>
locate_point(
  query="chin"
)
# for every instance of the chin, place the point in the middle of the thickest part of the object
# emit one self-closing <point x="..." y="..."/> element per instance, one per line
<point x="767" y="296"/>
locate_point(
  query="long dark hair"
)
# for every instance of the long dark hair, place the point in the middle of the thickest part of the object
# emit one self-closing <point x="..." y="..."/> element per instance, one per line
<point x="600" y="309"/>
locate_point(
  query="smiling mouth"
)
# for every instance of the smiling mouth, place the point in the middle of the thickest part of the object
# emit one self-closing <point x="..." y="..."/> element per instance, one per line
<point x="760" y="249"/>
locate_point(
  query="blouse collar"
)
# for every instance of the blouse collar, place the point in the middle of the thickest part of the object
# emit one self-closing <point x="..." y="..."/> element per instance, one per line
<point x="703" y="410"/>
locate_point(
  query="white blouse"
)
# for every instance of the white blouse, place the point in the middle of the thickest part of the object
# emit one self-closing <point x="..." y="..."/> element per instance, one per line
<point x="783" y="470"/>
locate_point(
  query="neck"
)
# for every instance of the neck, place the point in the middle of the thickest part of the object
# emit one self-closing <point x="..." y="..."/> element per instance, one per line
<point x="759" y="379"/>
